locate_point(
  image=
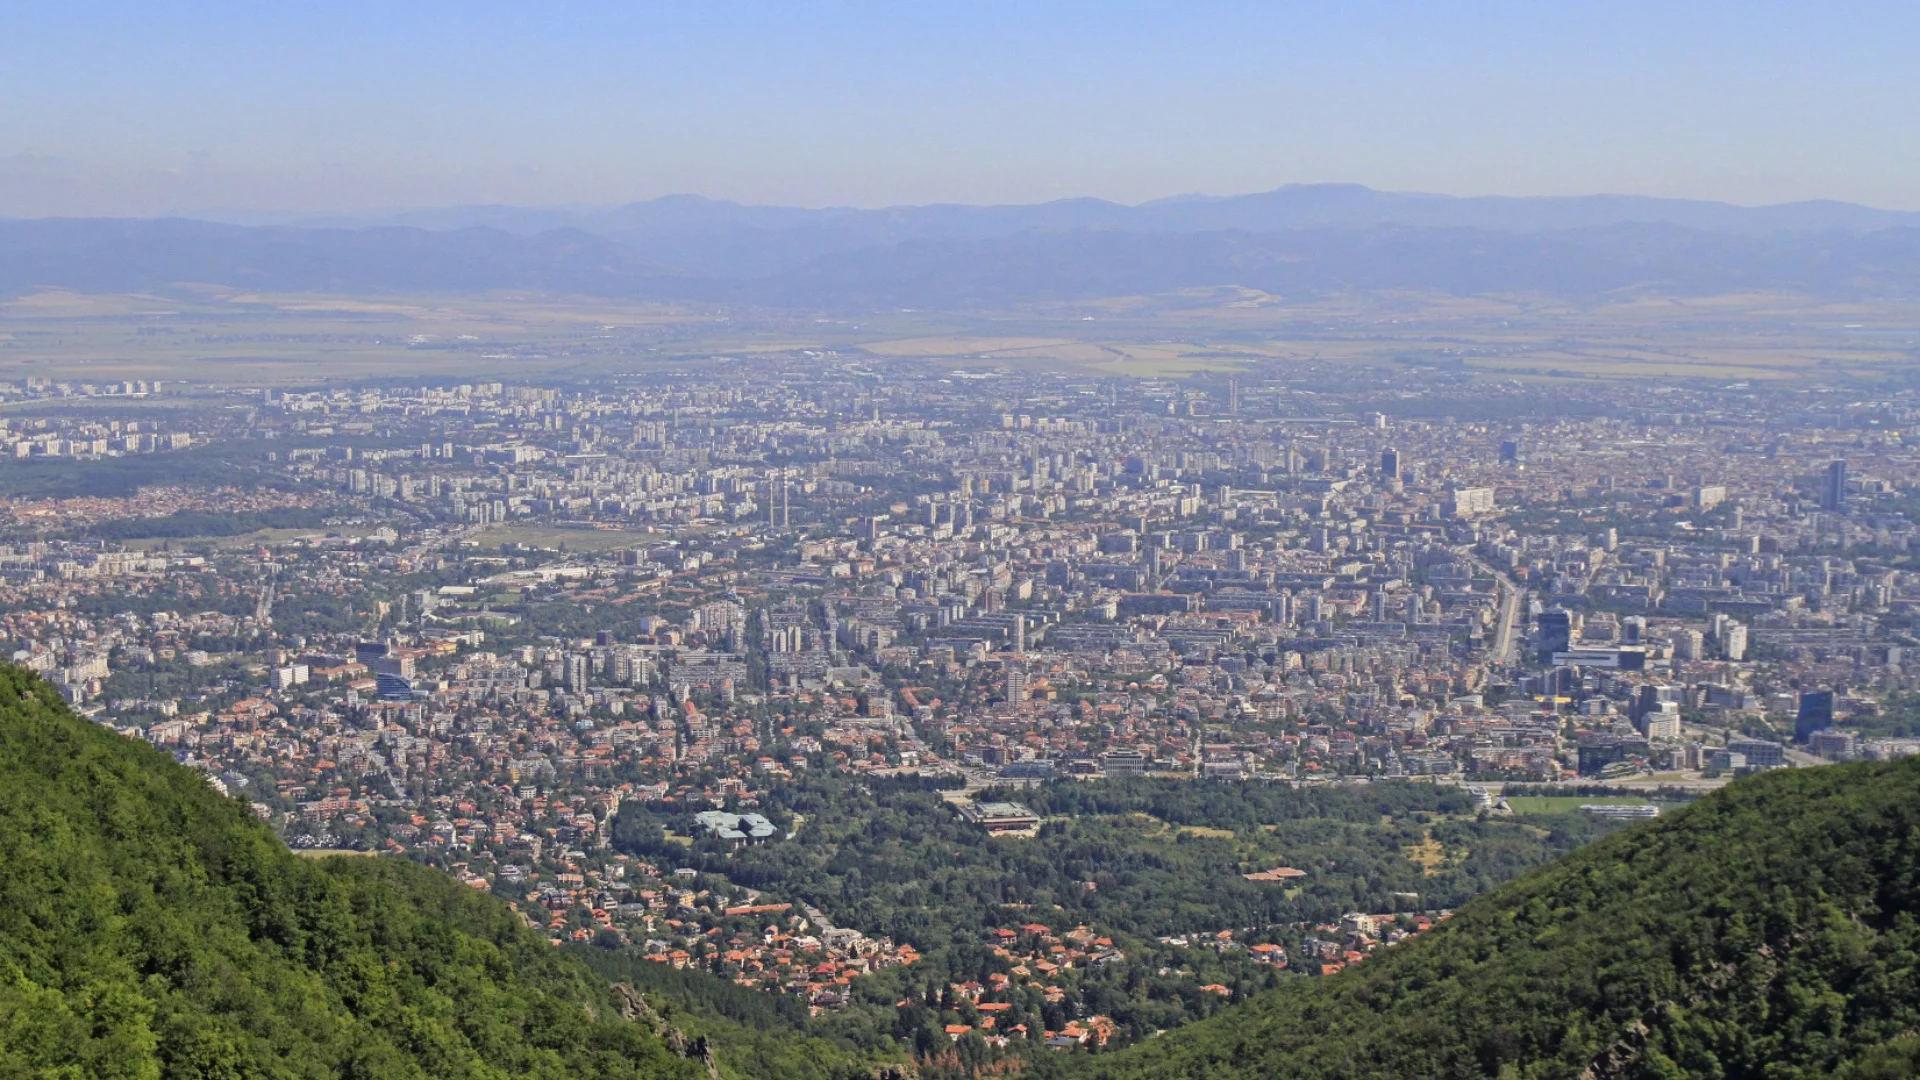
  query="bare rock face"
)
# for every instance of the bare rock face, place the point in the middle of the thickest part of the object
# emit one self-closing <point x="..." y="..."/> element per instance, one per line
<point x="634" y="1007"/>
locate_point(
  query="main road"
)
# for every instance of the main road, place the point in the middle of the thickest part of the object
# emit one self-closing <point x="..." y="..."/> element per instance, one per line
<point x="1507" y="628"/>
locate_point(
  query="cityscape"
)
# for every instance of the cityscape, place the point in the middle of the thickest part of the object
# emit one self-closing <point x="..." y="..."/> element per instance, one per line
<point x="947" y="541"/>
<point x="482" y="624"/>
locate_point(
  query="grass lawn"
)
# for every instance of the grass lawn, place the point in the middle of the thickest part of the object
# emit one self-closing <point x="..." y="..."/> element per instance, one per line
<point x="1568" y="804"/>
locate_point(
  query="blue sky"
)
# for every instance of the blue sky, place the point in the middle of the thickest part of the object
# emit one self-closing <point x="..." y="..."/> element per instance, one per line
<point x="172" y="107"/>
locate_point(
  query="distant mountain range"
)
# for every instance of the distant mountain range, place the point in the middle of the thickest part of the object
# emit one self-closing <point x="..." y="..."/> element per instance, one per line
<point x="1297" y="239"/>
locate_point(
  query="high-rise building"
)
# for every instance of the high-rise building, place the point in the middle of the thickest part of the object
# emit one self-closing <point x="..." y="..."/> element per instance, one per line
<point x="1734" y="642"/>
<point x="1017" y="686"/>
<point x="1816" y="714"/>
<point x="1833" y="485"/>
<point x="1390" y="463"/>
<point x="1555" y="634"/>
<point x="1689" y="644"/>
<point x="1650" y="698"/>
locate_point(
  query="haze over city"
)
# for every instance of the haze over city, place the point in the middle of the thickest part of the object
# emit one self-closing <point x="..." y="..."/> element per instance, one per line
<point x="854" y="541"/>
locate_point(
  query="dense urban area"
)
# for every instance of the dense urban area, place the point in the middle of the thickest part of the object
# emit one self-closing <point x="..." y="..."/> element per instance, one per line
<point x="904" y="694"/>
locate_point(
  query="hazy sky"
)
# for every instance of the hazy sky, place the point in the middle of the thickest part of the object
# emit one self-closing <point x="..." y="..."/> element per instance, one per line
<point x="151" y="107"/>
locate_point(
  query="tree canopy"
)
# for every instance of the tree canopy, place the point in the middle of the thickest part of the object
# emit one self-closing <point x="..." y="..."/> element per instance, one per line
<point x="1769" y="930"/>
<point x="151" y="927"/>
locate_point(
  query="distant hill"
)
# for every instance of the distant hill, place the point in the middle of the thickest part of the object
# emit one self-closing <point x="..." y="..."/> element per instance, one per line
<point x="150" y="927"/>
<point x="1582" y="263"/>
<point x="125" y="255"/>
<point x="108" y="256"/>
<point x="1770" y="930"/>
<point x="1295" y="206"/>
<point x="717" y="238"/>
<point x="1300" y="239"/>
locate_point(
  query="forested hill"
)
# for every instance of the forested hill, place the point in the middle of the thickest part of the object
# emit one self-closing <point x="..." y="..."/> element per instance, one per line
<point x="150" y="927"/>
<point x="1770" y="930"/>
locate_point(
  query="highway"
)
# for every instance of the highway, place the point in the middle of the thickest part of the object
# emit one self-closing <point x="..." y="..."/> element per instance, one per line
<point x="1503" y="636"/>
<point x="1507" y="629"/>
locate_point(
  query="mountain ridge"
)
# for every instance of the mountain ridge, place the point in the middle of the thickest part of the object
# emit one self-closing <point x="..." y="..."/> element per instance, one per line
<point x="1294" y="240"/>
<point x="1287" y="206"/>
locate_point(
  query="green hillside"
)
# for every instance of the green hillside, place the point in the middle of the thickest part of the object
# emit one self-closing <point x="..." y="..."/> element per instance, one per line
<point x="151" y="928"/>
<point x="1770" y="930"/>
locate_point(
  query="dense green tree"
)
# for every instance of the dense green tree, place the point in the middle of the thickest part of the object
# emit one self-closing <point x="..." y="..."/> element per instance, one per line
<point x="151" y="927"/>
<point x="1163" y="856"/>
<point x="1769" y="930"/>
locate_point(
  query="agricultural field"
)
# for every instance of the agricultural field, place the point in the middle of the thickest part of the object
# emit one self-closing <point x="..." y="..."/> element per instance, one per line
<point x="226" y="335"/>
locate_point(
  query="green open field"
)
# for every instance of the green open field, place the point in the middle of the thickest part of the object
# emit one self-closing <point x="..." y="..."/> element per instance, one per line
<point x="1567" y="804"/>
